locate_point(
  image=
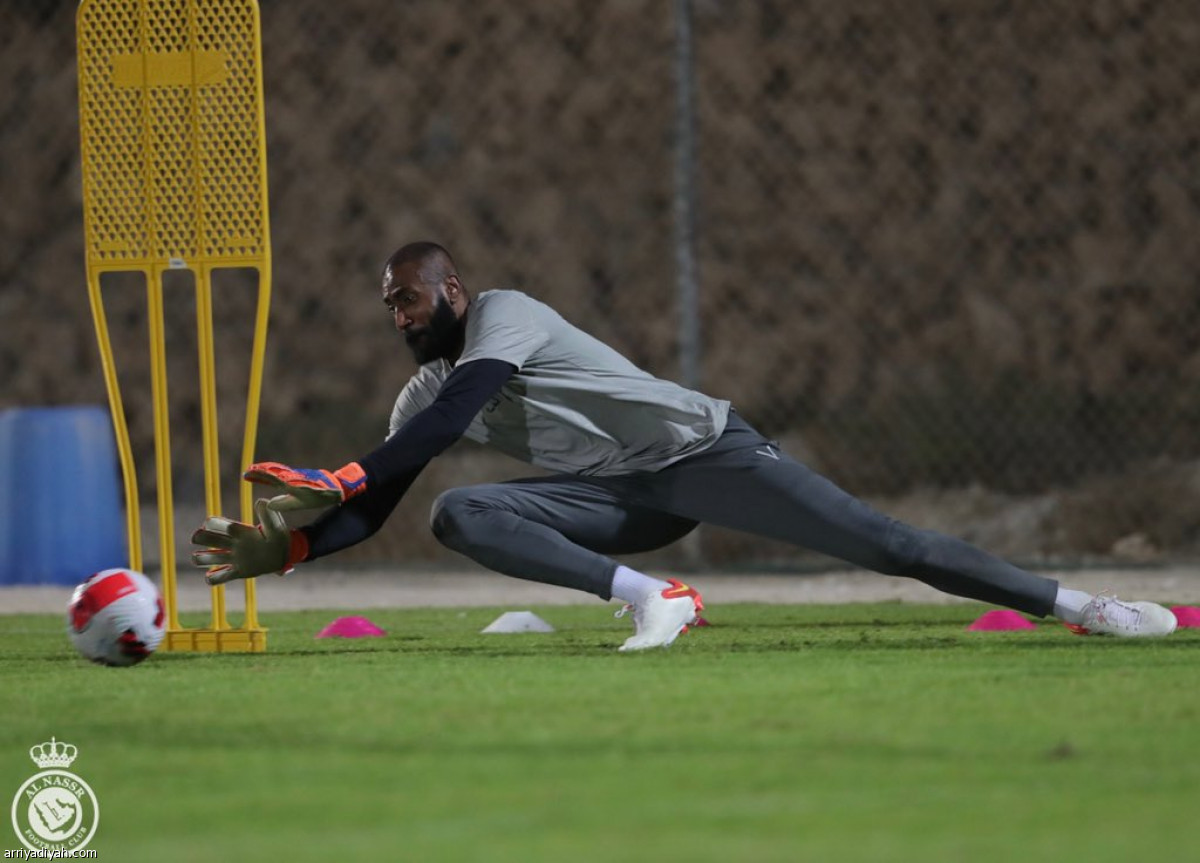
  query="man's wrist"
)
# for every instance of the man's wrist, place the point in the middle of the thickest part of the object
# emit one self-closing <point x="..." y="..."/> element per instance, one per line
<point x="352" y="478"/>
<point x="297" y="550"/>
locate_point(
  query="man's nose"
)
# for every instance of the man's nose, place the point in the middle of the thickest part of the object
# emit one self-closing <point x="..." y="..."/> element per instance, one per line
<point x="402" y="320"/>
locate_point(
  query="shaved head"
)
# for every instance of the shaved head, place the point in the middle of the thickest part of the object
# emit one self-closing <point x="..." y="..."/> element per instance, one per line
<point x="432" y="262"/>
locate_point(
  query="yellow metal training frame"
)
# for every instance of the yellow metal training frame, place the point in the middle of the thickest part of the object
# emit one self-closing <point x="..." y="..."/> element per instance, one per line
<point x="175" y="177"/>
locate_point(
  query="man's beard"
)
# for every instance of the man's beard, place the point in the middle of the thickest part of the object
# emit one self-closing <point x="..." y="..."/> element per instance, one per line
<point x="440" y="338"/>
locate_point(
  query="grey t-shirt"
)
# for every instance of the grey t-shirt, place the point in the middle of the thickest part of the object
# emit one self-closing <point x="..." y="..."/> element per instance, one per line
<point x="574" y="404"/>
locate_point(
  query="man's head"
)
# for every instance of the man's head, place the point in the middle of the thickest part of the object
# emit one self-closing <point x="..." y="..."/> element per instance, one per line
<point x="422" y="291"/>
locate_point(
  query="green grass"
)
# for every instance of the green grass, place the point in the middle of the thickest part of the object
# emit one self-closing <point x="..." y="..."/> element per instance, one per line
<point x="843" y="733"/>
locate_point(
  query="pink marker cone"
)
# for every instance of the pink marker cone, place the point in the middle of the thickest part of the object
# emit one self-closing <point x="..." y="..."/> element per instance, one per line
<point x="1187" y="615"/>
<point x="999" y="621"/>
<point x="350" y="627"/>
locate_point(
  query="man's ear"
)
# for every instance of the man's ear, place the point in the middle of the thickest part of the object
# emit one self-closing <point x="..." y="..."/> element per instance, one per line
<point x="454" y="288"/>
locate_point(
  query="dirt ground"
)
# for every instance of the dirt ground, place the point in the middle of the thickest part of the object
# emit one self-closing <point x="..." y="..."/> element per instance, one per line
<point x="380" y="588"/>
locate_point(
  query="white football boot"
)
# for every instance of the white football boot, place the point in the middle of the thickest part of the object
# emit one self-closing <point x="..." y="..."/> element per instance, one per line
<point x="662" y="615"/>
<point x="1107" y="615"/>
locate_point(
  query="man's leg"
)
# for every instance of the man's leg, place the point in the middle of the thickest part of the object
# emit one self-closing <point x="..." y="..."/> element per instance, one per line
<point x="745" y="482"/>
<point x="556" y="530"/>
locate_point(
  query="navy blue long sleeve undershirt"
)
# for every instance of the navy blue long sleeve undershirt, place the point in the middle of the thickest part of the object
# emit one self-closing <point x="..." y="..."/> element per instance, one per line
<point x="394" y="466"/>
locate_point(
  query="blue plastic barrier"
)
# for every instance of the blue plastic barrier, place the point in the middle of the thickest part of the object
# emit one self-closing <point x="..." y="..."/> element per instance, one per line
<point x="62" y="514"/>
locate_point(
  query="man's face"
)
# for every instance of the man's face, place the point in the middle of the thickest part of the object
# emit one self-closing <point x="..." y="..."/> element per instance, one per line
<point x="423" y="315"/>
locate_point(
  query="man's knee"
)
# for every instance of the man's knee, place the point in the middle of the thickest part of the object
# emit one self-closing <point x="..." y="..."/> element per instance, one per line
<point x="448" y="518"/>
<point x="461" y="517"/>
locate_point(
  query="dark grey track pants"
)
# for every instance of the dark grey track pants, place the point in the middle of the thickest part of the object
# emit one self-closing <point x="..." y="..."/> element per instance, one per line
<point x="561" y="529"/>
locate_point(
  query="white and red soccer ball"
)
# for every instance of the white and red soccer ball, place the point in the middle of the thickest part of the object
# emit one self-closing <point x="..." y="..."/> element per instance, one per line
<point x="116" y="617"/>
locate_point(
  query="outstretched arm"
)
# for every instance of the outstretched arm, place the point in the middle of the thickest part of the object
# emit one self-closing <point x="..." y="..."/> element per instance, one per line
<point x="430" y="432"/>
<point x="231" y="549"/>
<point x="355" y="520"/>
<point x="368" y="490"/>
<point x="419" y="440"/>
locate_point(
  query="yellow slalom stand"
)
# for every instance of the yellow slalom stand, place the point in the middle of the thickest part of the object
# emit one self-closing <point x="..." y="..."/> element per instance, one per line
<point x="175" y="177"/>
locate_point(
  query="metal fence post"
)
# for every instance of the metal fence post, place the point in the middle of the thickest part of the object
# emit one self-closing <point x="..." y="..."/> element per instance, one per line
<point x="684" y="222"/>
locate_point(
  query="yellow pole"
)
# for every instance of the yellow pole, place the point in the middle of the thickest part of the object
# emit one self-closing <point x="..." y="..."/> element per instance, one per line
<point x="253" y="399"/>
<point x="162" y="434"/>
<point x="208" y="416"/>
<point x="133" y="524"/>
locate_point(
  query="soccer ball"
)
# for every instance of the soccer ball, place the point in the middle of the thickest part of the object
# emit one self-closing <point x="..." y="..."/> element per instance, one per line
<point x="116" y="617"/>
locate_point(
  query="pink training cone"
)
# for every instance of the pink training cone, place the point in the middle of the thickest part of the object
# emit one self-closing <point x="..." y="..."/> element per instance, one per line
<point x="350" y="627"/>
<point x="1187" y="615"/>
<point x="1000" y="620"/>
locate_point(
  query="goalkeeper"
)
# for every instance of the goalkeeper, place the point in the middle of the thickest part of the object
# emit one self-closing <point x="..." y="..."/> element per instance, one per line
<point x="637" y="463"/>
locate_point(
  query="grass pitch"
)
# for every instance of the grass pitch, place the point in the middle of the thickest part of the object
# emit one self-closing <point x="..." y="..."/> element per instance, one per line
<point x="822" y="733"/>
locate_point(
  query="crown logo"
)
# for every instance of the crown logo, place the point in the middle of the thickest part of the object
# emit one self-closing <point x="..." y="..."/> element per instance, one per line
<point x="53" y="754"/>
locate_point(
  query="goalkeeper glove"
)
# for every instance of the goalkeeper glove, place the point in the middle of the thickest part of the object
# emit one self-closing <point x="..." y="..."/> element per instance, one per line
<point x="304" y="488"/>
<point x="235" y="550"/>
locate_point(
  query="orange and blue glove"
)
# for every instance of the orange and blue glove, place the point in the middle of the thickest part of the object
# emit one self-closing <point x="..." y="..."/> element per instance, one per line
<point x="305" y="488"/>
<point x="232" y="549"/>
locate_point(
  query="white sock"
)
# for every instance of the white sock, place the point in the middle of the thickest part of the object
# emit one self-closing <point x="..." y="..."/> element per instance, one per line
<point x="629" y="585"/>
<point x="1068" y="605"/>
